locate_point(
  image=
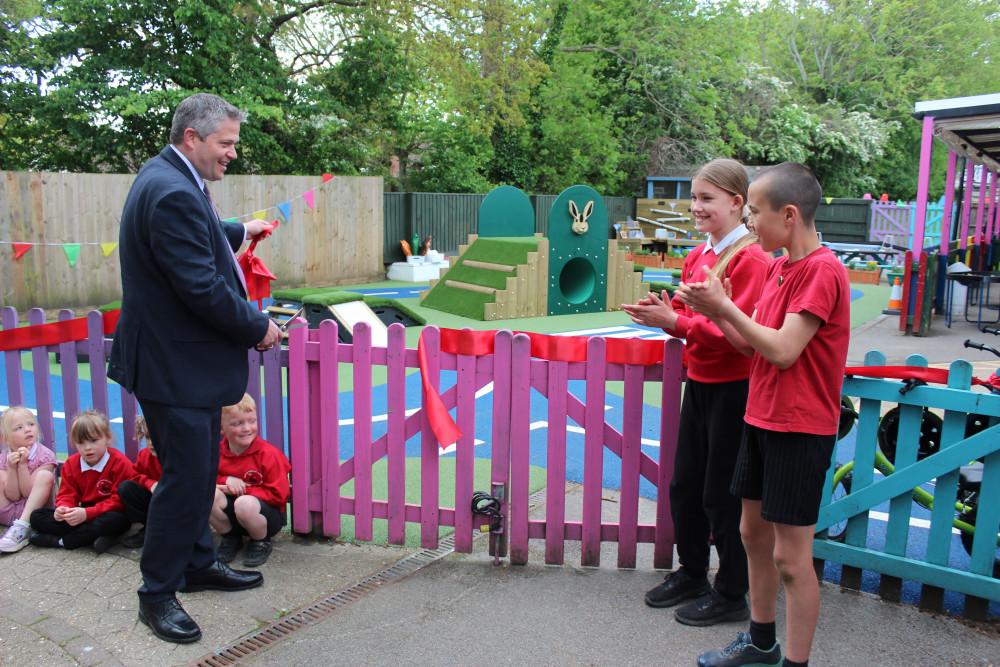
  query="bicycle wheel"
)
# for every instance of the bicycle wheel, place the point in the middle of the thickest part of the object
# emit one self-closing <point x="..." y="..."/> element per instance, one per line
<point x="848" y="417"/>
<point x="970" y="518"/>
<point x="838" y="531"/>
<point x="930" y="434"/>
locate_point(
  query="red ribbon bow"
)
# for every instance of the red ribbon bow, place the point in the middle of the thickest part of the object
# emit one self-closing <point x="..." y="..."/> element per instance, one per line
<point x="258" y="277"/>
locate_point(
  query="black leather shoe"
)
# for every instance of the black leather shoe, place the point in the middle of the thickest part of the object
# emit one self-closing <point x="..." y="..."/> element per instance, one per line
<point x="221" y="577"/>
<point x="136" y="539"/>
<point x="168" y="621"/>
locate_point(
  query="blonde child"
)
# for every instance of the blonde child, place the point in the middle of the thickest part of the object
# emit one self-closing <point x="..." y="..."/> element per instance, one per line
<point x="136" y="493"/>
<point x="88" y="510"/>
<point x="27" y="475"/>
<point x="798" y="335"/>
<point x="252" y="489"/>
<point x="715" y="396"/>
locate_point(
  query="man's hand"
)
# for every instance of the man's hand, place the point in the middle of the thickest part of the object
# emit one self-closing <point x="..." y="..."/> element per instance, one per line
<point x="271" y="338"/>
<point x="653" y="311"/>
<point x="258" y="229"/>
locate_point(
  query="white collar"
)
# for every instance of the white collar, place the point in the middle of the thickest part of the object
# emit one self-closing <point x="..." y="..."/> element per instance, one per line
<point x="194" y="172"/>
<point x="738" y="232"/>
<point x="99" y="466"/>
<point x="34" y="450"/>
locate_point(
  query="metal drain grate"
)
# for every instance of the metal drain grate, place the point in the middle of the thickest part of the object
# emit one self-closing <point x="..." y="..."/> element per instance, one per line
<point x="262" y="639"/>
<point x="249" y="645"/>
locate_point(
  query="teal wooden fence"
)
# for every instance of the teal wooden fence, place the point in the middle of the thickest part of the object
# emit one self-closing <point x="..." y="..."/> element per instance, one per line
<point x="939" y="470"/>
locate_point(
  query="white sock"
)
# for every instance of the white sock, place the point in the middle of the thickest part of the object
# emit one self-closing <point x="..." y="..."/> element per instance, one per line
<point x="60" y="542"/>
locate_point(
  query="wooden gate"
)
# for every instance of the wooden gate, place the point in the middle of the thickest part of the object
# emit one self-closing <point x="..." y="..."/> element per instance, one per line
<point x="509" y="363"/>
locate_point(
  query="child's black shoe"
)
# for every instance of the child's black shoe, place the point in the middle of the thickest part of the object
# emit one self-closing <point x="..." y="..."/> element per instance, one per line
<point x="136" y="539"/>
<point x="229" y="547"/>
<point x="44" y="540"/>
<point x="104" y="542"/>
<point x="257" y="552"/>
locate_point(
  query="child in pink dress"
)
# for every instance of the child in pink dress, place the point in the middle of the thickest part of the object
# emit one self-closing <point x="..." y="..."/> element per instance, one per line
<point x="27" y="475"/>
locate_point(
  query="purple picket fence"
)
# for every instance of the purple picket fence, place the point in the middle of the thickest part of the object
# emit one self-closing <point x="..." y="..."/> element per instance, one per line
<point x="311" y="365"/>
<point x="319" y="473"/>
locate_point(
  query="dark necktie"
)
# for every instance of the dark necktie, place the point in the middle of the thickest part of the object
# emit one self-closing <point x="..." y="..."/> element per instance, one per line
<point x="236" y="262"/>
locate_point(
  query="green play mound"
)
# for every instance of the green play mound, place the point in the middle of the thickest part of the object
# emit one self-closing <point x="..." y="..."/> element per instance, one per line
<point x="326" y="296"/>
<point x="466" y="303"/>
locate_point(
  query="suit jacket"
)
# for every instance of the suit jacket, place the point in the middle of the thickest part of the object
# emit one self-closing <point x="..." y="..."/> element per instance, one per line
<point x="185" y="324"/>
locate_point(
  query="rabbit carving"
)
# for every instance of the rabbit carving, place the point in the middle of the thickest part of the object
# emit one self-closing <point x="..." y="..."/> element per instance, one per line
<point x="580" y="220"/>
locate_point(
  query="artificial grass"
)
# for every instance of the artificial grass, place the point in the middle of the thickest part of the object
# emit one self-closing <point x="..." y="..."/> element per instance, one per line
<point x="465" y="303"/>
<point x="326" y="296"/>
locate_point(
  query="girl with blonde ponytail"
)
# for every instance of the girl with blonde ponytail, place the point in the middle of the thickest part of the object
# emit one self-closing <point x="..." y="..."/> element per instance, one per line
<point x="715" y="398"/>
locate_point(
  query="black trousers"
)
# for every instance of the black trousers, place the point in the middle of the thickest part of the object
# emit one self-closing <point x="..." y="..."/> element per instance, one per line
<point x="178" y="537"/>
<point x="82" y="535"/>
<point x="136" y="499"/>
<point x="708" y="443"/>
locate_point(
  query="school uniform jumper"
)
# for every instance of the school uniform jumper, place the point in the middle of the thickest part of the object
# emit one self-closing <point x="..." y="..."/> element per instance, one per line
<point x="710" y="430"/>
<point x="95" y="488"/>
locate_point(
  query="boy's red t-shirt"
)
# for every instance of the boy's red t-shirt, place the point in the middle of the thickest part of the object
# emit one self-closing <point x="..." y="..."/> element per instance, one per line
<point x="147" y="469"/>
<point x="263" y="467"/>
<point x="709" y="357"/>
<point x="805" y="397"/>
<point x="97" y="491"/>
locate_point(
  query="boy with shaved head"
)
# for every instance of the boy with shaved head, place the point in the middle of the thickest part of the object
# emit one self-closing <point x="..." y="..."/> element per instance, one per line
<point x="798" y="337"/>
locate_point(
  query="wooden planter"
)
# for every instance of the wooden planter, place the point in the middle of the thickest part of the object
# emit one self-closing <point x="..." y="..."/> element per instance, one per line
<point x="861" y="276"/>
<point x="645" y="260"/>
<point x="673" y="262"/>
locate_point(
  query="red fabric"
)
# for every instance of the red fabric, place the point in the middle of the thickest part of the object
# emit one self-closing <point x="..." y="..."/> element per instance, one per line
<point x="23" y="338"/>
<point x="936" y="375"/>
<point x="552" y="348"/>
<point x="263" y="467"/>
<point x="327" y="177"/>
<point x="147" y="469"/>
<point x="709" y="356"/>
<point x="805" y="397"/>
<point x="258" y="277"/>
<point x="21" y="248"/>
<point x="97" y="491"/>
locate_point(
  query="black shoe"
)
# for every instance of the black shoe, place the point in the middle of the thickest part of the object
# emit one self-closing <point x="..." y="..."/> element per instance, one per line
<point x="711" y="608"/>
<point x="221" y="577"/>
<point x="168" y="621"/>
<point x="677" y="586"/>
<point x="136" y="539"/>
<point x="257" y="552"/>
<point x="104" y="542"/>
<point x="741" y="652"/>
<point x="44" y="540"/>
<point x="229" y="547"/>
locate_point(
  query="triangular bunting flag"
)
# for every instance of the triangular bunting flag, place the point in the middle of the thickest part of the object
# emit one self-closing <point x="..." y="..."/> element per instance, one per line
<point x="309" y="197"/>
<point x="72" y="251"/>
<point x="260" y="215"/>
<point x="286" y="210"/>
<point x="108" y="248"/>
<point x="829" y="200"/>
<point x="230" y="219"/>
<point x="21" y="248"/>
<point x="327" y="178"/>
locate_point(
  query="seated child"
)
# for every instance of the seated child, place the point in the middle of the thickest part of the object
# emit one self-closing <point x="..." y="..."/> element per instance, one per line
<point x="138" y="491"/>
<point x="252" y="490"/>
<point x="88" y="510"/>
<point x="26" y="475"/>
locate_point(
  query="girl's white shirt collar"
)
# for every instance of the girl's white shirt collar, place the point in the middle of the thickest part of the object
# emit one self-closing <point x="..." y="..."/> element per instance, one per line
<point x="738" y="232"/>
<point x="99" y="466"/>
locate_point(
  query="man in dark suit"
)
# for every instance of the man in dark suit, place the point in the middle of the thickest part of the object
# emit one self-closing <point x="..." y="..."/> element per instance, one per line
<point x="181" y="348"/>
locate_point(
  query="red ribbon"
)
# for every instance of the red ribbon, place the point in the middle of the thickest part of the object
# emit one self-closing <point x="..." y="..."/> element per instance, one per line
<point x="634" y="351"/>
<point x="22" y="338"/>
<point x="258" y="277"/>
<point x="936" y="375"/>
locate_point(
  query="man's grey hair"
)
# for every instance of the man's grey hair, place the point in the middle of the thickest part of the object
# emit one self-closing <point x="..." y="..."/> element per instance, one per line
<point x="202" y="112"/>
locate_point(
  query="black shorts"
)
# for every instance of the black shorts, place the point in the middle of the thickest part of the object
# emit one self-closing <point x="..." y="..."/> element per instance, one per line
<point x="785" y="471"/>
<point x="275" y="517"/>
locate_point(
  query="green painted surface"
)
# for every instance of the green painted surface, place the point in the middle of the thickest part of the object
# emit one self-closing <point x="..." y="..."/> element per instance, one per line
<point x="578" y="263"/>
<point x="505" y="212"/>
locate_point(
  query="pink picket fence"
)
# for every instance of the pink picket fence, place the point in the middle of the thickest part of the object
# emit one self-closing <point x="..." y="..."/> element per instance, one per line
<point x="315" y="432"/>
<point x="509" y="374"/>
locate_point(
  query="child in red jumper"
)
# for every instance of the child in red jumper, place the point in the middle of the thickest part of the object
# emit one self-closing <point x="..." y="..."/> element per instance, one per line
<point x="88" y="510"/>
<point x="138" y="491"/>
<point x="252" y="489"/>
